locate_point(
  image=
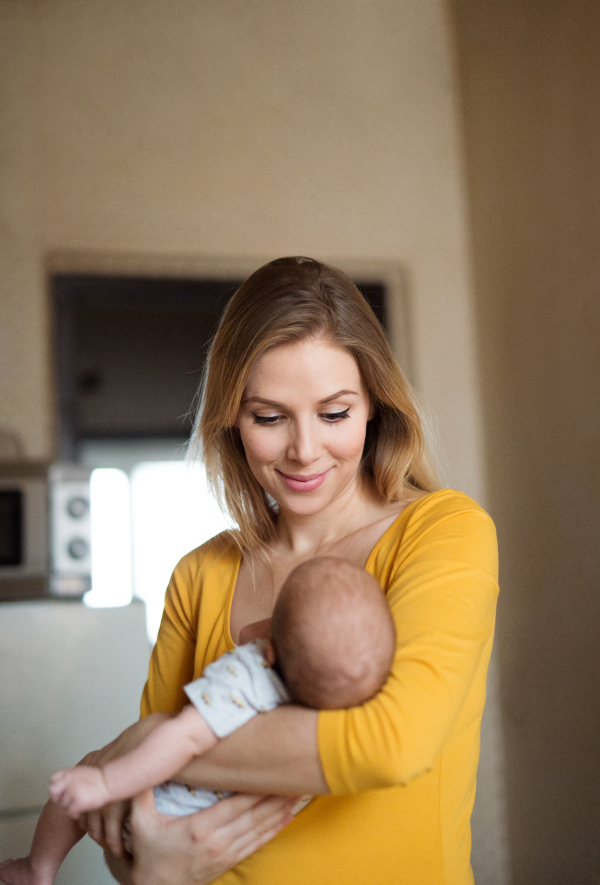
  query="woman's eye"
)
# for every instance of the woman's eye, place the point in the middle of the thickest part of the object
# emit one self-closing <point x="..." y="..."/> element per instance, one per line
<point x="266" y="419"/>
<point x="332" y="417"/>
<point x="329" y="417"/>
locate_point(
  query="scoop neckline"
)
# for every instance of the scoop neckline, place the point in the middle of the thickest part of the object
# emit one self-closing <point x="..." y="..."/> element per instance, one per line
<point x="402" y="515"/>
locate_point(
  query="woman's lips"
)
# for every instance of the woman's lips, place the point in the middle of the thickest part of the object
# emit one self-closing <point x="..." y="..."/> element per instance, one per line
<point x="303" y="483"/>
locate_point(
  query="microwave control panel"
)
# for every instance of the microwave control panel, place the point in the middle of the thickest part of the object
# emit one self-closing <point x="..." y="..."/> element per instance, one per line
<point x="70" y="536"/>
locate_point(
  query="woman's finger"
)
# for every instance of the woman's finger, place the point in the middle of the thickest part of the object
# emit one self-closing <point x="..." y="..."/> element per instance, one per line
<point x="143" y="810"/>
<point x="255" y="840"/>
<point x="113" y="816"/>
<point x="229" y="832"/>
<point x="261" y="823"/>
<point x="253" y="830"/>
<point x="93" y="824"/>
<point x="105" y="825"/>
<point x="235" y="814"/>
<point x="89" y="758"/>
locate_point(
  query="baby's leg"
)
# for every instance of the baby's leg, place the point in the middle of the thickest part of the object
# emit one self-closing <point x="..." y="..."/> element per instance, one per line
<point x="157" y="758"/>
<point x="55" y="835"/>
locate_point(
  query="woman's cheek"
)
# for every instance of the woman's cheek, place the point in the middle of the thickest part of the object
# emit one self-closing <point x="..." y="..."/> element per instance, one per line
<point x="351" y="447"/>
<point x="261" y="448"/>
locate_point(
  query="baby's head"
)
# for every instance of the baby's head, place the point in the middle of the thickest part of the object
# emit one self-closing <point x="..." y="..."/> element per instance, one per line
<point x="333" y="634"/>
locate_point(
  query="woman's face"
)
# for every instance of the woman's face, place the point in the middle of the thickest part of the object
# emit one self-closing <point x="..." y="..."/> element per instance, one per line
<point x="302" y="421"/>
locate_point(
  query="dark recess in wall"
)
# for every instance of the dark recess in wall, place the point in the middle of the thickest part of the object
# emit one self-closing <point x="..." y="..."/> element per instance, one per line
<point x="129" y="352"/>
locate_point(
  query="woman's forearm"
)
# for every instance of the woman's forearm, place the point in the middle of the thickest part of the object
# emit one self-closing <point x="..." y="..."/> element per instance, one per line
<point x="275" y="752"/>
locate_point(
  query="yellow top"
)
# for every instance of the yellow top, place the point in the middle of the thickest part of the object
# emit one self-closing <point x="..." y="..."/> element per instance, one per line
<point x="402" y="767"/>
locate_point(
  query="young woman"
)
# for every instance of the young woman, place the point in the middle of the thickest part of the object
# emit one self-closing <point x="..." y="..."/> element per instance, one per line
<point x="310" y="437"/>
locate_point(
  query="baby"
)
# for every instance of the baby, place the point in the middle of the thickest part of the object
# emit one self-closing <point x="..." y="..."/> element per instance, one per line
<point x="332" y="644"/>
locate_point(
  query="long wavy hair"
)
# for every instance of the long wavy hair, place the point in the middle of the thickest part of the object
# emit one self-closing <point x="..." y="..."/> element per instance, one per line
<point x="283" y="302"/>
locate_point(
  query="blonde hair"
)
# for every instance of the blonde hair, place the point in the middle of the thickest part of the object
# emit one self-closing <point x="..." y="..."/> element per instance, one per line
<point x="284" y="302"/>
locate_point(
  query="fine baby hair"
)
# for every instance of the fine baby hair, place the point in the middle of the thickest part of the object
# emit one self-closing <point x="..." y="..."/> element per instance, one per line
<point x="333" y="634"/>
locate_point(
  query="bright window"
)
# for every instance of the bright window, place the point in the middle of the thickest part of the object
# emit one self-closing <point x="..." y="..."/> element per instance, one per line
<point x="141" y="527"/>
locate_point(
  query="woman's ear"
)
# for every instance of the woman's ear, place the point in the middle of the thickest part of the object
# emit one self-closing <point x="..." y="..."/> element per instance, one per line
<point x="372" y="409"/>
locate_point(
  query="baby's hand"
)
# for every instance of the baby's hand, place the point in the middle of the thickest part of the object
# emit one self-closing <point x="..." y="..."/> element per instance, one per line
<point x="79" y="789"/>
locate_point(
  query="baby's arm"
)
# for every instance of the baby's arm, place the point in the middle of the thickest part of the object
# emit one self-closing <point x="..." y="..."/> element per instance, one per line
<point x="158" y="757"/>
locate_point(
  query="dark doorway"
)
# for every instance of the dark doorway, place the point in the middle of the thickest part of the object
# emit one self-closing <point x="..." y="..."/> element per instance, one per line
<point x="129" y="353"/>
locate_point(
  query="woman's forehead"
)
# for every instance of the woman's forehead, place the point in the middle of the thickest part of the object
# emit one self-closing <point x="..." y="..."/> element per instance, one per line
<point x="312" y="365"/>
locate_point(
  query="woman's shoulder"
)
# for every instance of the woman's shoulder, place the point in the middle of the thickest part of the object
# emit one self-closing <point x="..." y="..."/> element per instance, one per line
<point x="443" y="504"/>
<point x="199" y="583"/>
<point x="444" y="524"/>
<point x="220" y="552"/>
<point x="453" y="516"/>
<point x="441" y="511"/>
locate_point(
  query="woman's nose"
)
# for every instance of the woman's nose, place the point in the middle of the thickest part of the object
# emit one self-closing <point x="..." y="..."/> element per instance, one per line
<point x="304" y="444"/>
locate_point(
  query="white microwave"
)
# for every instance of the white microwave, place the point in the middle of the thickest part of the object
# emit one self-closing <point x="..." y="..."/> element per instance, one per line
<point x="45" y="531"/>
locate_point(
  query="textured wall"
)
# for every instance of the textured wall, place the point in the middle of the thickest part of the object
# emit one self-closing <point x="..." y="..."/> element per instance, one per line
<point x="235" y="129"/>
<point x="217" y="134"/>
<point x="531" y="81"/>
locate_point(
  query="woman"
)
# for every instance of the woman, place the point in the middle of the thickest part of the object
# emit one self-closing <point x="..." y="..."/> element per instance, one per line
<point x="310" y="437"/>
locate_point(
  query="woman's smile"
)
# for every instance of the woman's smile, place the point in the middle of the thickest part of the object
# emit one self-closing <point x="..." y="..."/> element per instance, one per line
<point x="304" y="483"/>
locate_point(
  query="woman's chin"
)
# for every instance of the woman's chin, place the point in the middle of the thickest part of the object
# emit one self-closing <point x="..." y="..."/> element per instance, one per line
<point x="302" y="508"/>
<point x="311" y="504"/>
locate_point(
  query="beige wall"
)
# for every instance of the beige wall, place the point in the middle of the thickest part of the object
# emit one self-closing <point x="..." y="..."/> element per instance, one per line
<point x="531" y="81"/>
<point x="181" y="134"/>
<point x="232" y="129"/>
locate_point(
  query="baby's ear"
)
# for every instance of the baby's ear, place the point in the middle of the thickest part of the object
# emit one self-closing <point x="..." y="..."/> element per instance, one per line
<point x="257" y="630"/>
<point x="270" y="652"/>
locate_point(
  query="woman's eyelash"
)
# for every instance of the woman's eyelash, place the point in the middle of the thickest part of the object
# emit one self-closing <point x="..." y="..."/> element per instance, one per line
<point x="265" y="419"/>
<point x="337" y="416"/>
<point x="330" y="417"/>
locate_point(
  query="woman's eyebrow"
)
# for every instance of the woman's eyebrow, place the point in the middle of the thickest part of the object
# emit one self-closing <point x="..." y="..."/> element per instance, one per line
<point x="260" y="399"/>
<point x="328" y="399"/>
<point x="270" y="402"/>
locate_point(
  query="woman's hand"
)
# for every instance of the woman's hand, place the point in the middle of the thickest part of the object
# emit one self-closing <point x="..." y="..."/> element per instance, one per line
<point x="105" y="826"/>
<point x="198" y="848"/>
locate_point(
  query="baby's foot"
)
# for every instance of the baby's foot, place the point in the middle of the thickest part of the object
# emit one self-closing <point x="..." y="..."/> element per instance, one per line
<point x="20" y="872"/>
<point x="79" y="789"/>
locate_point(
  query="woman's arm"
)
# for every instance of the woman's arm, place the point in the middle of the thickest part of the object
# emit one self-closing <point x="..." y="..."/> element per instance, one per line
<point x="274" y="752"/>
